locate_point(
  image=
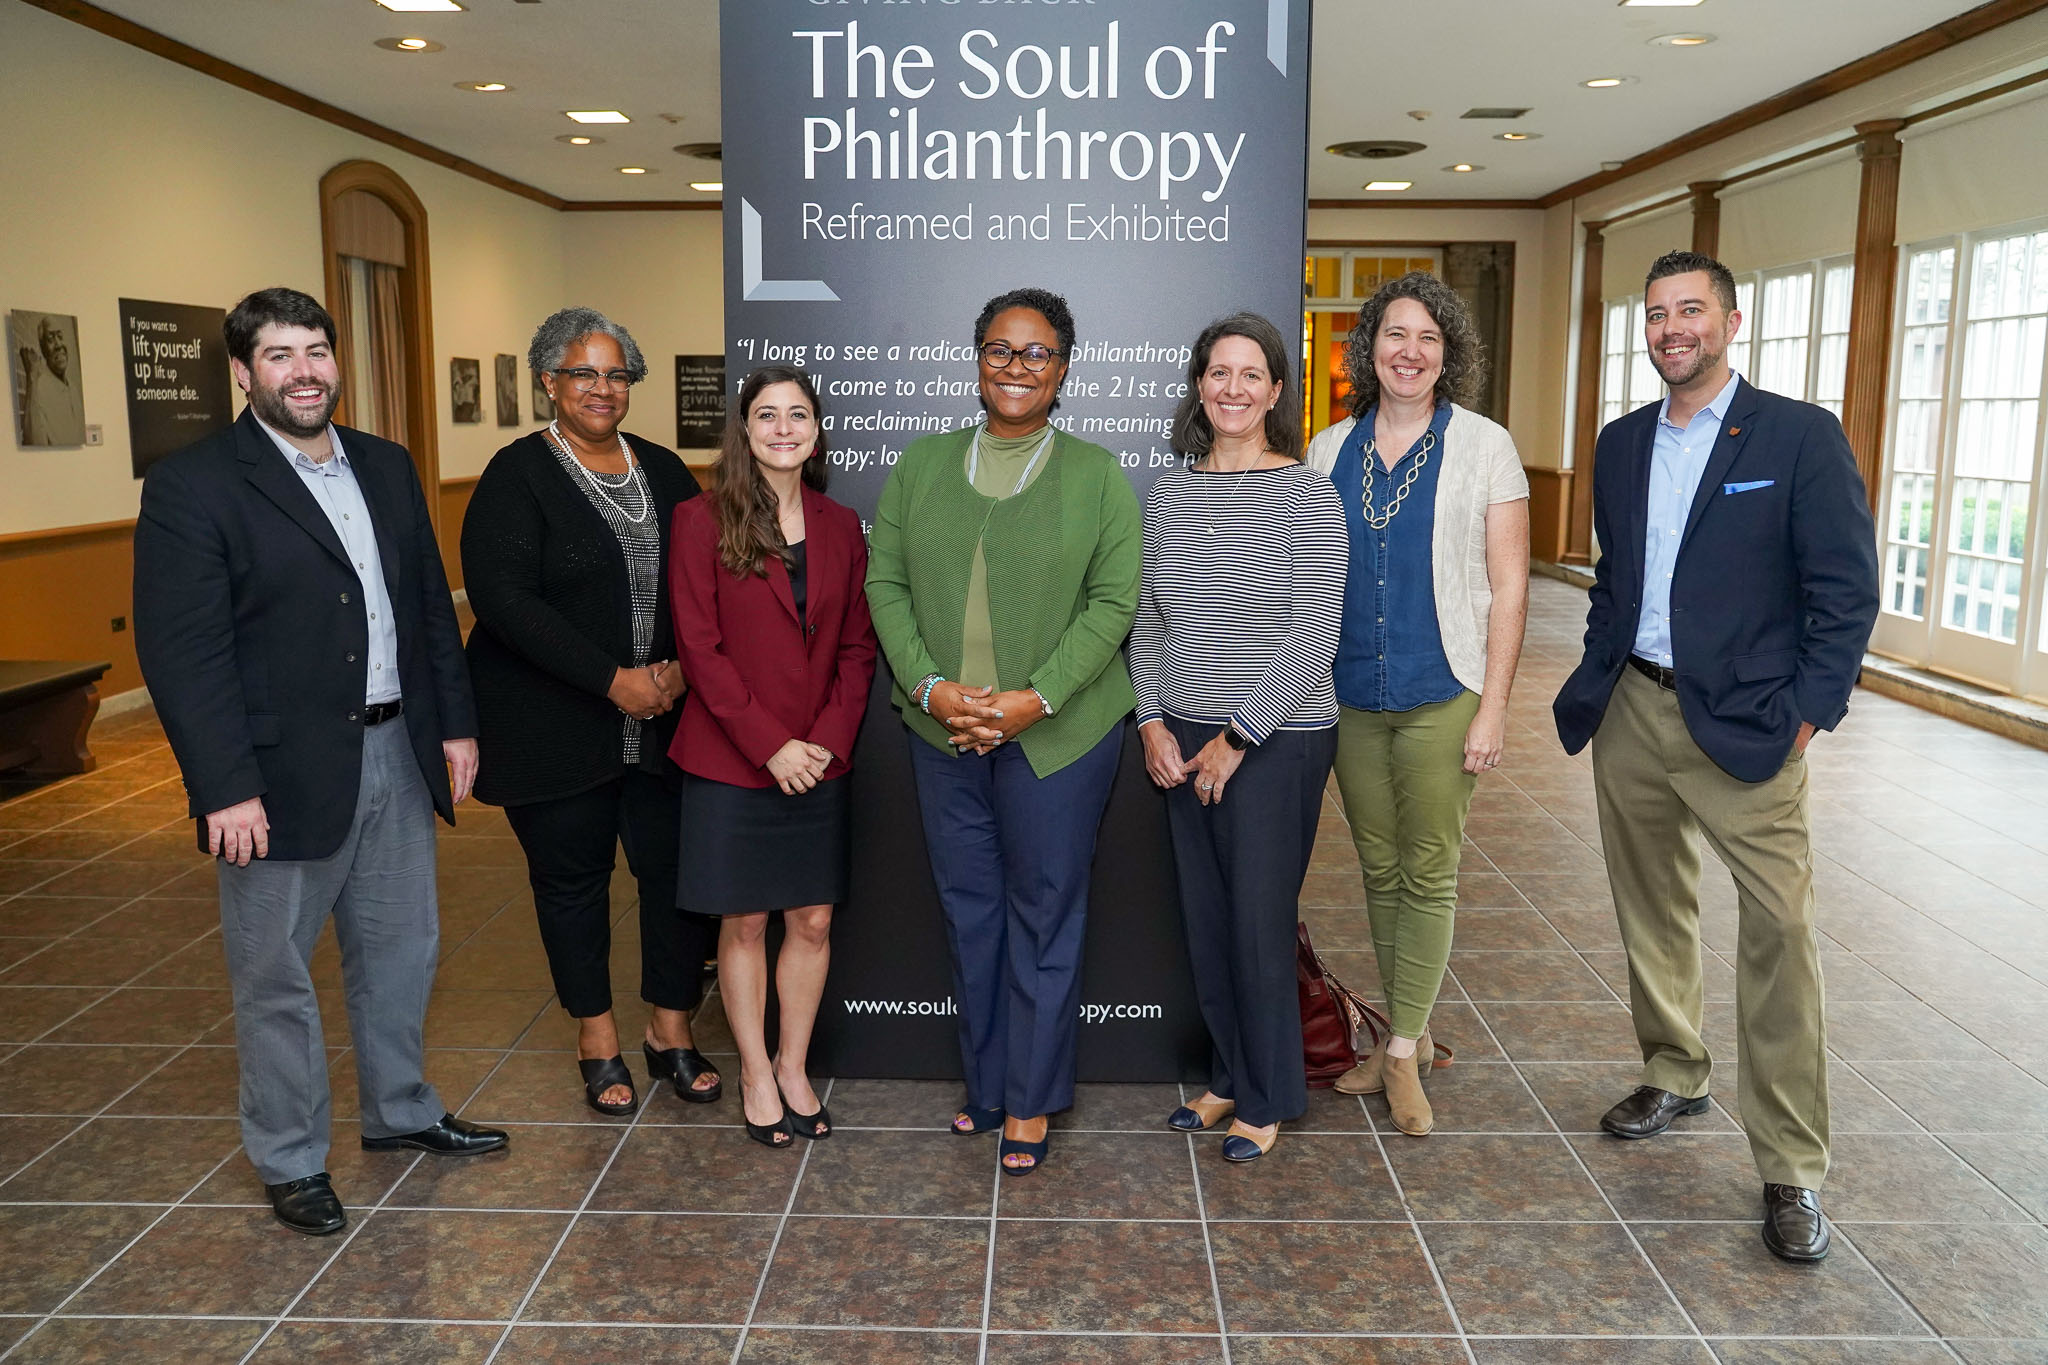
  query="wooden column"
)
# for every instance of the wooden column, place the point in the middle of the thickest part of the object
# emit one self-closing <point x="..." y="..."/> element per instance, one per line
<point x="1870" y="308"/>
<point x="1706" y="216"/>
<point x="1578" y="546"/>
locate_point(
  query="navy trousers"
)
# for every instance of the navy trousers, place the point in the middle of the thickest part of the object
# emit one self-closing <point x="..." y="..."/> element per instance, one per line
<point x="1241" y="864"/>
<point x="1012" y="853"/>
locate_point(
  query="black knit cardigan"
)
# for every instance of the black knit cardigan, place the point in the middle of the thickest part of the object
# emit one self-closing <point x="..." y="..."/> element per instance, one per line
<point x="554" y="620"/>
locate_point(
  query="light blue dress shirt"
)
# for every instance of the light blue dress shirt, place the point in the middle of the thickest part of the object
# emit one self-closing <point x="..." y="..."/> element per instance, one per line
<point x="1678" y="458"/>
<point x="333" y="485"/>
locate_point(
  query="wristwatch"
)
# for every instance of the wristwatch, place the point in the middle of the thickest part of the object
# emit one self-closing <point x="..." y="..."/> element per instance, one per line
<point x="1236" y="738"/>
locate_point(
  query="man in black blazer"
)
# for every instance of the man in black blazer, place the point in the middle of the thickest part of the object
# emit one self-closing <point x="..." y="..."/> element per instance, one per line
<point x="1735" y="592"/>
<point x="295" y="629"/>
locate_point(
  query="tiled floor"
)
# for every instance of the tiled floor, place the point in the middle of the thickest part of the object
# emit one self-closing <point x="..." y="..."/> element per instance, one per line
<point x="131" y="1227"/>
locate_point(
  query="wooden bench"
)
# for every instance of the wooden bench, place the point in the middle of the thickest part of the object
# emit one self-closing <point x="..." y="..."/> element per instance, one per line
<point x="46" y="708"/>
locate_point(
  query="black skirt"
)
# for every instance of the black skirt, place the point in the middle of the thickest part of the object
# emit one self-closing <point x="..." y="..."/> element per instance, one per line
<point x="748" y="849"/>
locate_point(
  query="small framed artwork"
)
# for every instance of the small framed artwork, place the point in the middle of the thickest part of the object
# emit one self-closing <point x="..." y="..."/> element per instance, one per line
<point x="505" y="370"/>
<point x="465" y="390"/>
<point x="42" y="350"/>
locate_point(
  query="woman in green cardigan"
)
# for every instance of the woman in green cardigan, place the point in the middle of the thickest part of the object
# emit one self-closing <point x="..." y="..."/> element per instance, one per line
<point x="1003" y="575"/>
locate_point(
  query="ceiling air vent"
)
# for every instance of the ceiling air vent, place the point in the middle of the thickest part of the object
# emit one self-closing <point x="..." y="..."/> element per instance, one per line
<point x="703" y="151"/>
<point x="1379" y="150"/>
<point x="1494" y="111"/>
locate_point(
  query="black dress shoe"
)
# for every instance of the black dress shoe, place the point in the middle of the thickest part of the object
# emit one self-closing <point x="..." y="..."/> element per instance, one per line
<point x="1794" y="1227"/>
<point x="1648" y="1112"/>
<point x="450" y="1137"/>
<point x="307" y="1205"/>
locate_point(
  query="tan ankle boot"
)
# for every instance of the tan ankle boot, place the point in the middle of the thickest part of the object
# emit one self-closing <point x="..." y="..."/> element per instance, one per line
<point x="1364" y="1079"/>
<point x="1405" y="1100"/>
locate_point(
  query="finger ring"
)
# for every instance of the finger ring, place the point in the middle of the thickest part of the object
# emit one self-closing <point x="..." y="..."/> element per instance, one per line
<point x="1208" y="786"/>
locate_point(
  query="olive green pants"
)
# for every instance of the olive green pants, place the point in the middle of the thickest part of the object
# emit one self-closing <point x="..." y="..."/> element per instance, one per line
<point x="1402" y="777"/>
<point x="1658" y="793"/>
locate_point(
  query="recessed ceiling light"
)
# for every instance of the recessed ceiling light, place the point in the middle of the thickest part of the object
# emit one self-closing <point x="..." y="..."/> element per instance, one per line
<point x="702" y="151"/>
<point x="579" y="139"/>
<point x="421" y="6"/>
<point x="633" y="170"/>
<point x="1464" y="167"/>
<point x="597" y="116"/>
<point x="483" y="87"/>
<point x="1658" y="4"/>
<point x="1681" y="40"/>
<point x="708" y="186"/>
<point x="1389" y="186"/>
<point x="1378" y="149"/>
<point x="408" y="45"/>
<point x="1516" y="137"/>
<point x="1607" y="82"/>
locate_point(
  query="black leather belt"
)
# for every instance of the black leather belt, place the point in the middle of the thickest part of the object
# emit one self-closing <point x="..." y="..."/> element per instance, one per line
<point x="376" y="713"/>
<point x="1664" y="677"/>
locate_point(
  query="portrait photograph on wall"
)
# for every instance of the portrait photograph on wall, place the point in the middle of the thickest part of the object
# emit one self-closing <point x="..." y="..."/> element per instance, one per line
<point x="506" y="376"/>
<point x="465" y="390"/>
<point x="42" y="351"/>
<point x="543" y="406"/>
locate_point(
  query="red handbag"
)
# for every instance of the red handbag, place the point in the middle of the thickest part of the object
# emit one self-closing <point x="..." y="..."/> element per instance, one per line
<point x="1337" y="1025"/>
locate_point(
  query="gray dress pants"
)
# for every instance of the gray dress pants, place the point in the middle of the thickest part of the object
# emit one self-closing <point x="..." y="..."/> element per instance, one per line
<point x="379" y="886"/>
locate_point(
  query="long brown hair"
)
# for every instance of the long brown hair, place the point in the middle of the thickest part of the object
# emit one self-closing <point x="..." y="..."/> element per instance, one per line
<point x="749" y="520"/>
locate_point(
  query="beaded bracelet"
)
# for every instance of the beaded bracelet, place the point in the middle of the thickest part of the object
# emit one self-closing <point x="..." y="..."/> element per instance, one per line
<point x="1043" y="704"/>
<point x="924" y="692"/>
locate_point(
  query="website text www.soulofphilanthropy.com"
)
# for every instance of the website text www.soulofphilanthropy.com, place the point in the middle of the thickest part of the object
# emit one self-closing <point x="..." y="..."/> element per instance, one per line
<point x="1090" y="1014"/>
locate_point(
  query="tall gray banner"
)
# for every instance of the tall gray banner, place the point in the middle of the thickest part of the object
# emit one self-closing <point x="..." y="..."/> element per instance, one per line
<point x="890" y="165"/>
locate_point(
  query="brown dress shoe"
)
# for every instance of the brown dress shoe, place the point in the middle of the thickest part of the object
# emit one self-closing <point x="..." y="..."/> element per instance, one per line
<point x="1405" y="1100"/>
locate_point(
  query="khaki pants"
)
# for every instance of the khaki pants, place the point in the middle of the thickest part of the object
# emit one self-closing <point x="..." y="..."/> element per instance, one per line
<point x="1658" y="793"/>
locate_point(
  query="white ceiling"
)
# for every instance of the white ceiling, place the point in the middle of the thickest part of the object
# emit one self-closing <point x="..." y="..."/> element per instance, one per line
<point x="658" y="60"/>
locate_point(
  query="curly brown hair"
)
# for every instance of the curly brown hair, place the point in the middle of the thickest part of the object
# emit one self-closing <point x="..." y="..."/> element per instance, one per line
<point x="1464" y="353"/>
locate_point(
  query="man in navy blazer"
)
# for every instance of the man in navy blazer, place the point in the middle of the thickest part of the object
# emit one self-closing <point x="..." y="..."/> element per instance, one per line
<point x="294" y="626"/>
<point x="1736" y="589"/>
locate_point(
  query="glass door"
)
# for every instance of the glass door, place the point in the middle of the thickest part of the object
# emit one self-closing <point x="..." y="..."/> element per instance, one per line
<point x="1962" y="576"/>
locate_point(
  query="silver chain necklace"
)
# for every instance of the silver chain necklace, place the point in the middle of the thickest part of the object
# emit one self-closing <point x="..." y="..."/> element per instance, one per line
<point x="1226" y="497"/>
<point x="630" y="479"/>
<point x="1378" y="520"/>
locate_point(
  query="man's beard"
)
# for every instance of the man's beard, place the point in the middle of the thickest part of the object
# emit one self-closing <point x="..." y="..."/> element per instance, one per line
<point x="1702" y="360"/>
<point x="271" y="407"/>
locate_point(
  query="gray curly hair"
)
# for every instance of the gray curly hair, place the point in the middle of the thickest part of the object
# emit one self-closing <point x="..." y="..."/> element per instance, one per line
<point x="1464" y="354"/>
<point x="564" y="328"/>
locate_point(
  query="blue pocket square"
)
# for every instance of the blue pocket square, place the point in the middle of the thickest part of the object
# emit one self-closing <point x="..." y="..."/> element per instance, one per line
<point x="1749" y="487"/>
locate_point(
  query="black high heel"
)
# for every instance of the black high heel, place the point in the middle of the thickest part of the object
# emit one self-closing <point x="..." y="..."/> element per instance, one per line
<point x="767" y="1134"/>
<point x="681" y="1066"/>
<point x="979" y="1120"/>
<point x="807" y="1125"/>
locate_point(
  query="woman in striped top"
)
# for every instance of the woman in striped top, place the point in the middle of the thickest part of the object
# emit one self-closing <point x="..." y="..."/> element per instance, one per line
<point x="1237" y="625"/>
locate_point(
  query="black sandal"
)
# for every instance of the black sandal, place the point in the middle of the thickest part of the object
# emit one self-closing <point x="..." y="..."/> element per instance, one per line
<point x="681" y="1066"/>
<point x="601" y="1074"/>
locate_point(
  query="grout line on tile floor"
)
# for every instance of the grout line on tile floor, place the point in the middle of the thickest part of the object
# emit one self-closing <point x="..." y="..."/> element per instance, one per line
<point x="775" y="1242"/>
<point x="1208" y="1242"/>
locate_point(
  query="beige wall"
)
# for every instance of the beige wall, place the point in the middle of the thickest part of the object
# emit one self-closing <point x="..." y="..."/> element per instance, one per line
<point x="661" y="275"/>
<point x="215" y="193"/>
<point x="1630" y="247"/>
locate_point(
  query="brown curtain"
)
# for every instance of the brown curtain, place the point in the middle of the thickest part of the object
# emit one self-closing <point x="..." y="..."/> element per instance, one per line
<point x="387" y="351"/>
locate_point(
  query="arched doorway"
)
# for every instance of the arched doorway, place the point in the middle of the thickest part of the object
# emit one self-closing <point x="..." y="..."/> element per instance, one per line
<point x="373" y="235"/>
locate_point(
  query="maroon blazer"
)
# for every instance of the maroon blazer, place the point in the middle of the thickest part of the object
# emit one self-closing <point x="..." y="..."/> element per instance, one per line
<point x="759" y="677"/>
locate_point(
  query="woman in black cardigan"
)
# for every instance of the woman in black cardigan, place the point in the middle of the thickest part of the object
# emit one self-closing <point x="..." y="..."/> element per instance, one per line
<point x="573" y="663"/>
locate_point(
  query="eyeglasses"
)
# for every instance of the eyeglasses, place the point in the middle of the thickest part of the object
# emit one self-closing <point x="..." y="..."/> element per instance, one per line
<point x="996" y="355"/>
<point x="583" y="379"/>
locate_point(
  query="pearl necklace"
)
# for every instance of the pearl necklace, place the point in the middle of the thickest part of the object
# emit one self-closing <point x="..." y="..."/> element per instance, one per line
<point x="630" y="478"/>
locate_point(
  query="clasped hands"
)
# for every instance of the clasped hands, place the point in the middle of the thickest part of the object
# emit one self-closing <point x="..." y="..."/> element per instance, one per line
<point x="798" y="766"/>
<point x="981" y="717"/>
<point x="647" y="692"/>
<point x="1212" y="767"/>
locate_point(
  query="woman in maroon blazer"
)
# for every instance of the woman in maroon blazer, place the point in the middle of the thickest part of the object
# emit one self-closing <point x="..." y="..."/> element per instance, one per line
<point x="773" y="633"/>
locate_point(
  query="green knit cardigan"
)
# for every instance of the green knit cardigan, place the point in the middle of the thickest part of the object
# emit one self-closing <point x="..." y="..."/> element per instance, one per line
<point x="1063" y="566"/>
